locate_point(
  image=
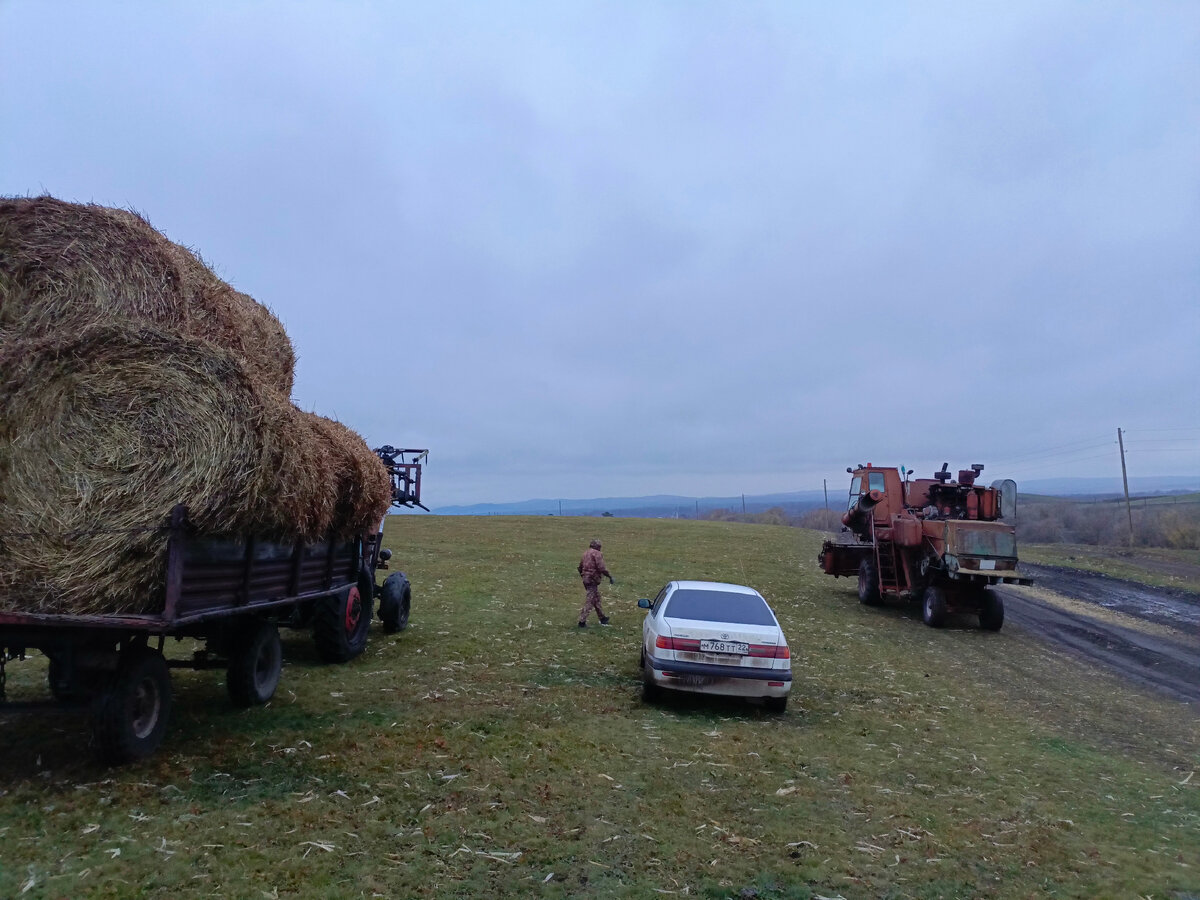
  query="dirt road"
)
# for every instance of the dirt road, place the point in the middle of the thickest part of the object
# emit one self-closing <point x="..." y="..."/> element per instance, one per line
<point x="1150" y="635"/>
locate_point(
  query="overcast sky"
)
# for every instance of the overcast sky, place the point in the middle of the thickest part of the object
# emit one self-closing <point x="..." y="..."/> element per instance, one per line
<point x="586" y="250"/>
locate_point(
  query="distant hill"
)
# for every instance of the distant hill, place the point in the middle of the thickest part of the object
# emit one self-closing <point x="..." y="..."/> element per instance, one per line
<point x="655" y="506"/>
<point x="794" y="503"/>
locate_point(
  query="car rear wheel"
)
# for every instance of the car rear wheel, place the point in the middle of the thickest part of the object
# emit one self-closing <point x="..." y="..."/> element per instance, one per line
<point x="776" y="704"/>
<point x="650" y="691"/>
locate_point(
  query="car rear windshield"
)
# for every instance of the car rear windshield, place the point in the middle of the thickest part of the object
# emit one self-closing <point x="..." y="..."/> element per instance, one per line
<point x="719" y="606"/>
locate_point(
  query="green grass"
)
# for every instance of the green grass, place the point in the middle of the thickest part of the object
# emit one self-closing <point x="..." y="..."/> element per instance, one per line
<point x="493" y="749"/>
<point x="1158" y="566"/>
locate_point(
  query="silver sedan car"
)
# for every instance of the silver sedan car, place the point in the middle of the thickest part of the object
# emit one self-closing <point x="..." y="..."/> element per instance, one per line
<point x="709" y="637"/>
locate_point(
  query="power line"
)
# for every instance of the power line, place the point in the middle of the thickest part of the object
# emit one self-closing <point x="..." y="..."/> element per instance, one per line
<point x="1092" y="442"/>
<point x="1060" y="463"/>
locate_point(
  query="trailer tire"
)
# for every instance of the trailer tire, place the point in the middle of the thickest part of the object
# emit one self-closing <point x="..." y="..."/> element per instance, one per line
<point x="79" y="690"/>
<point x="130" y="715"/>
<point x="991" y="611"/>
<point x="868" y="584"/>
<point x="340" y="624"/>
<point x="395" y="603"/>
<point x="933" y="607"/>
<point x="255" y="663"/>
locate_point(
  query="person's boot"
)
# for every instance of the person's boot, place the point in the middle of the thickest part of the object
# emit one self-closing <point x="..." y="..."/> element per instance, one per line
<point x="604" y="620"/>
<point x="583" y="624"/>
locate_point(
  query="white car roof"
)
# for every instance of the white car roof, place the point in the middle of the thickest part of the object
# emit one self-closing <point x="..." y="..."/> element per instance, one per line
<point x="715" y="586"/>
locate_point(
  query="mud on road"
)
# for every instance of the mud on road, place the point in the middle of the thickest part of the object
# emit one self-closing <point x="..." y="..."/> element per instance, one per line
<point x="1150" y="635"/>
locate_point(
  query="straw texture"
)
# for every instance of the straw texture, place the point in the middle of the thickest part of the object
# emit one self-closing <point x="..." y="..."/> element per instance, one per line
<point x="133" y="379"/>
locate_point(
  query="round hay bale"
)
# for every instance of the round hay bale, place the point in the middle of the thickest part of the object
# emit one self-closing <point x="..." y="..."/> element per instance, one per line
<point x="69" y="265"/>
<point x="363" y="488"/>
<point x="105" y="432"/>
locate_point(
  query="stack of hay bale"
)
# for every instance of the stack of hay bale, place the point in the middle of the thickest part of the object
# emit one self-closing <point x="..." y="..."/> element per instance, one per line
<point x="133" y="379"/>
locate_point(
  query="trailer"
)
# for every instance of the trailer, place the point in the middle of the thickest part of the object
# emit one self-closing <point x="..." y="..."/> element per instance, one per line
<point x="233" y="593"/>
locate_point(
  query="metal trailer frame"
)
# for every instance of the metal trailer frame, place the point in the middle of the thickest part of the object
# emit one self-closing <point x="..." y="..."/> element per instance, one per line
<point x="233" y="593"/>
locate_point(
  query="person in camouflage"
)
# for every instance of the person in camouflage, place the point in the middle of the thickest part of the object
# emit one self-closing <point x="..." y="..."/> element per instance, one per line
<point x="592" y="569"/>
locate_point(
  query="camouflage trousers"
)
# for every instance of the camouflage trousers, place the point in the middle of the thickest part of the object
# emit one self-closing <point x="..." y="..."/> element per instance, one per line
<point x="592" y="601"/>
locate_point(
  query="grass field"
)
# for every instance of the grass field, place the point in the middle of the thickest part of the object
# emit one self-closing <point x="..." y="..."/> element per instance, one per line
<point x="494" y="749"/>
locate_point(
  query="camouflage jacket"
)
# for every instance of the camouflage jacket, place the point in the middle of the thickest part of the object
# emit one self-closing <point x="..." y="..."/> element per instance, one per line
<point x="592" y="567"/>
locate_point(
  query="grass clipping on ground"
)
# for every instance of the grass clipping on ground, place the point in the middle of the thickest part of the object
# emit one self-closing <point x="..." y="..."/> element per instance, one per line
<point x="135" y="380"/>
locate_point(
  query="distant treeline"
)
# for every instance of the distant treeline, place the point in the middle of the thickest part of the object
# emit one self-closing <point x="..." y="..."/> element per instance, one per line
<point x="1157" y="522"/>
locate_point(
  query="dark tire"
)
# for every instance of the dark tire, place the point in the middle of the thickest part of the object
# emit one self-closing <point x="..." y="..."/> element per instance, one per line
<point x="933" y="607"/>
<point x="130" y="716"/>
<point x="991" y="611"/>
<point x="255" y="661"/>
<point x="80" y="689"/>
<point x="341" y="623"/>
<point x="651" y="692"/>
<point x="395" y="603"/>
<point x="776" y="704"/>
<point x="868" y="583"/>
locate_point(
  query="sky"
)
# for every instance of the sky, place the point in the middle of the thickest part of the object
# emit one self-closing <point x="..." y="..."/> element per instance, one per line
<point x="613" y="249"/>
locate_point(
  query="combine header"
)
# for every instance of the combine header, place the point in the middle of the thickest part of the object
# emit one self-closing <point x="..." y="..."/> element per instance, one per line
<point x="932" y="540"/>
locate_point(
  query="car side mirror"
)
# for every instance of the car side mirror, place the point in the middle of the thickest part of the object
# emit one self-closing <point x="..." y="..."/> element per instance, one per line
<point x="643" y="603"/>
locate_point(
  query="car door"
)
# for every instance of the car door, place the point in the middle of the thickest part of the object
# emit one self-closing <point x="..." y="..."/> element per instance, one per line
<point x="651" y="625"/>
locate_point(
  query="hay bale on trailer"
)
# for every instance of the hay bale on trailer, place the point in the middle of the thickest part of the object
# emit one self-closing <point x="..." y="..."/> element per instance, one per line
<point x="69" y="265"/>
<point x="133" y="381"/>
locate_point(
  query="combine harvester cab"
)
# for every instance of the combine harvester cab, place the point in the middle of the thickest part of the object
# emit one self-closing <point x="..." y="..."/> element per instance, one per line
<point x="935" y="541"/>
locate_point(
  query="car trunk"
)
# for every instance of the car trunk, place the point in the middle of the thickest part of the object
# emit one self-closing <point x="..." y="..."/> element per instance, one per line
<point x="723" y="644"/>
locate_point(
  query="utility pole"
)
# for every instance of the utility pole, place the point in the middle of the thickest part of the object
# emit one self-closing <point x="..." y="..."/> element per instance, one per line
<point x="560" y="509"/>
<point x="825" y="484"/>
<point x="1125" y="479"/>
<point x="697" y="510"/>
<point x="743" y="504"/>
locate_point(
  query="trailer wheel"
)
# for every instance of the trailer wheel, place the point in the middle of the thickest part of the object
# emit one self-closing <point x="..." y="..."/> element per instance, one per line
<point x="991" y="611"/>
<point x="395" y="603"/>
<point x="130" y="716"/>
<point x="868" y="583"/>
<point x="933" y="607"/>
<point x="340" y="624"/>
<point x="76" y="691"/>
<point x="255" y="661"/>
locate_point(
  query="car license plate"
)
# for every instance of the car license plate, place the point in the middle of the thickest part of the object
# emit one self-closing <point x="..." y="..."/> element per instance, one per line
<point x="987" y="564"/>
<point x="724" y="647"/>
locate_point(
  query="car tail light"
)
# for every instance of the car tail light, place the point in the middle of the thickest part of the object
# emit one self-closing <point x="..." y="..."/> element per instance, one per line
<point x="666" y="643"/>
<point x="774" y="684"/>
<point x="768" y="651"/>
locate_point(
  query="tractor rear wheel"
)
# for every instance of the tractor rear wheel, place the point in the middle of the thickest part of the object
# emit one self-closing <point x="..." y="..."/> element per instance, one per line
<point x="868" y="583"/>
<point x="933" y="606"/>
<point x="991" y="611"/>
<point x="340" y="624"/>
